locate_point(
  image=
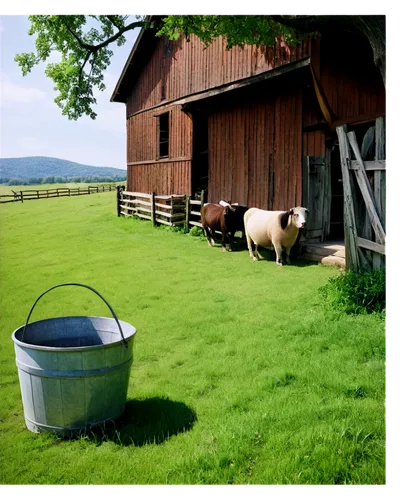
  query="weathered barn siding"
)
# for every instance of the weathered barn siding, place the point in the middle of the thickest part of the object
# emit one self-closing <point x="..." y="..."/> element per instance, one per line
<point x="179" y="68"/>
<point x="314" y="143"/>
<point x="255" y="153"/>
<point x="142" y="136"/>
<point x="165" y="177"/>
<point x="352" y="83"/>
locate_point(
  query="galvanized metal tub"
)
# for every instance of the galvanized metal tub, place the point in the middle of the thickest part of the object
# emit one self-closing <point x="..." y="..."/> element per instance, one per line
<point x="73" y="370"/>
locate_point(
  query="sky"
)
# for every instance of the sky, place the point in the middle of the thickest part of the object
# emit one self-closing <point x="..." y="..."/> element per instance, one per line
<point x="31" y="122"/>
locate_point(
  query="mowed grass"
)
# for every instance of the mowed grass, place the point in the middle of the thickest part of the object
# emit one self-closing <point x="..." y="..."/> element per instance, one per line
<point x="240" y="375"/>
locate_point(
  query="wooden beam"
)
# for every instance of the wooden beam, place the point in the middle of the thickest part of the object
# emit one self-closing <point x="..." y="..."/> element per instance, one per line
<point x="355" y="120"/>
<point x="322" y="100"/>
<point x="352" y="258"/>
<point x="244" y="82"/>
<point x="369" y="165"/>
<point x="366" y="191"/>
<point x="162" y="160"/>
<point x="371" y="245"/>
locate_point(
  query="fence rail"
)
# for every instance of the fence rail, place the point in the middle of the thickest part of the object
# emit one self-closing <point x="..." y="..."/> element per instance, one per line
<point x="171" y="210"/>
<point x="37" y="194"/>
<point x="168" y="210"/>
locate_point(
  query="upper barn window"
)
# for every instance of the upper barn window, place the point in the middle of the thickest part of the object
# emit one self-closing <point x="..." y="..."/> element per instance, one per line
<point x="163" y="135"/>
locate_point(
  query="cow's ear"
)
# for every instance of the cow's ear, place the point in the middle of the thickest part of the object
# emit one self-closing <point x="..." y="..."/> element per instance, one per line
<point x="291" y="211"/>
<point x="284" y="219"/>
<point x="306" y="209"/>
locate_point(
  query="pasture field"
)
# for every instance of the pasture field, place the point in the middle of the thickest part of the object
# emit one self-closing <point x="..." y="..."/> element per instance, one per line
<point x="240" y="375"/>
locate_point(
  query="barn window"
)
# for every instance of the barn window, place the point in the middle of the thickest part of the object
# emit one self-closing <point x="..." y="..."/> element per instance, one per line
<point x="163" y="135"/>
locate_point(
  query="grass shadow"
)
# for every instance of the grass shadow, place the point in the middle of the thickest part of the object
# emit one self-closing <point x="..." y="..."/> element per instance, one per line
<point x="148" y="421"/>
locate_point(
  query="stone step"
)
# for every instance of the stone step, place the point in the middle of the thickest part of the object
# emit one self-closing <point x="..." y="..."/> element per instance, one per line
<point x="329" y="260"/>
<point x="325" y="250"/>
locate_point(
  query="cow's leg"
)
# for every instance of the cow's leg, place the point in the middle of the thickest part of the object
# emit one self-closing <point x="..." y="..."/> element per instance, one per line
<point x="230" y="235"/>
<point x="278" y="251"/>
<point x="250" y="247"/>
<point x="212" y="237"/>
<point x="259" y="253"/>
<point x="224" y="234"/>
<point x="287" y="255"/>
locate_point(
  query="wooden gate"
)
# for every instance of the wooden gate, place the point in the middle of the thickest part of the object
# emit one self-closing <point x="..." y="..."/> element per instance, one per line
<point x="364" y="187"/>
<point x="316" y="196"/>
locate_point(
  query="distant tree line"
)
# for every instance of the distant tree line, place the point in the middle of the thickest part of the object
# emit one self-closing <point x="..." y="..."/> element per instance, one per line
<point x="59" y="180"/>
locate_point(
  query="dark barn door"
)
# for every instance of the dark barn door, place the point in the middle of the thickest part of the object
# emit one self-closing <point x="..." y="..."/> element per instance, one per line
<point x="200" y="154"/>
<point x="317" y="196"/>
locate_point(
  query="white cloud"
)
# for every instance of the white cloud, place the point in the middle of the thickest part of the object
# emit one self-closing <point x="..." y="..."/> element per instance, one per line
<point x="11" y="93"/>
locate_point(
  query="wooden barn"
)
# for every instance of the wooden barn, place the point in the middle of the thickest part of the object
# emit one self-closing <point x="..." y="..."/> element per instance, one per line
<point x="252" y="125"/>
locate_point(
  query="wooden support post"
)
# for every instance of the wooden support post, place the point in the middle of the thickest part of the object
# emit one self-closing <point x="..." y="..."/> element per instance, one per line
<point x="352" y="259"/>
<point x="366" y="191"/>
<point x="202" y="198"/>
<point x="153" y="209"/>
<point x="22" y="196"/>
<point x="187" y="211"/>
<point x="380" y="184"/>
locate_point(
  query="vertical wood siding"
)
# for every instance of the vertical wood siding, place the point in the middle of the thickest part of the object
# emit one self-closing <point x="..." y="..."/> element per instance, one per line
<point x="142" y="135"/>
<point x="193" y="68"/>
<point x="164" y="177"/>
<point x="256" y="151"/>
<point x="161" y="178"/>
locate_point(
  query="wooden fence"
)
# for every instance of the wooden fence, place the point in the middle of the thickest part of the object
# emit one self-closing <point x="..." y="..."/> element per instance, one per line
<point x="364" y="186"/>
<point x="171" y="210"/>
<point x="37" y="194"/>
<point x="165" y="209"/>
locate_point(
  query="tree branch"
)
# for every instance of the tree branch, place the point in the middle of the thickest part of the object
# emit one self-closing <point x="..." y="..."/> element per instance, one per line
<point x="83" y="65"/>
<point x="95" y="48"/>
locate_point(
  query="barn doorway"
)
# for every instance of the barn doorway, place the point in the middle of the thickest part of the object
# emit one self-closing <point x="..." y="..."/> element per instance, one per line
<point x="200" y="154"/>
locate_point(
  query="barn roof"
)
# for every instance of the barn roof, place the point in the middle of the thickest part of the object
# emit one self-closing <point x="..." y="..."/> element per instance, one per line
<point x="142" y="47"/>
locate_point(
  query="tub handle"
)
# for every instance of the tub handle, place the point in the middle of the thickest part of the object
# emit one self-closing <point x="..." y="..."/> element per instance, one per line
<point x="84" y="286"/>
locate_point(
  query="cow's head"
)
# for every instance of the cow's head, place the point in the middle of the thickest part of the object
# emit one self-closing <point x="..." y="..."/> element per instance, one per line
<point x="296" y="216"/>
<point x="229" y="209"/>
<point x="299" y="216"/>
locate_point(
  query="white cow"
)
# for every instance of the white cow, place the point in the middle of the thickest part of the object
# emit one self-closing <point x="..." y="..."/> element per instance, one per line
<point x="273" y="228"/>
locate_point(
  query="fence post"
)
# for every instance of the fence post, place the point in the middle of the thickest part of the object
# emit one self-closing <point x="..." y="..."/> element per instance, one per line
<point x="187" y="214"/>
<point x="119" y="192"/>
<point x="22" y="196"/>
<point x="153" y="209"/>
<point x="202" y="198"/>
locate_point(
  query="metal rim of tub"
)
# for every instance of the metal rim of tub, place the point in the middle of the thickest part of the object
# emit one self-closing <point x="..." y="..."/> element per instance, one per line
<point x="46" y="348"/>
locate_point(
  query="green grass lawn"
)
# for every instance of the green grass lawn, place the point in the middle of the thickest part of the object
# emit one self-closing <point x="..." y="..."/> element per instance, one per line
<point x="240" y="375"/>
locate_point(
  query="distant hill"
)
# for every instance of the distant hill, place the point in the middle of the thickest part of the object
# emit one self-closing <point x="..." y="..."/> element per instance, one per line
<point x="40" y="167"/>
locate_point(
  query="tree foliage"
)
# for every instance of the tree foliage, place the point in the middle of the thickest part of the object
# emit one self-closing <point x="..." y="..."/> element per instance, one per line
<point x="84" y="44"/>
<point x="236" y="30"/>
